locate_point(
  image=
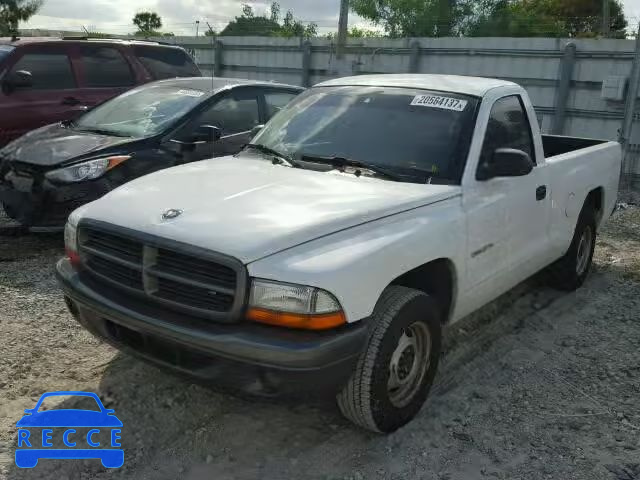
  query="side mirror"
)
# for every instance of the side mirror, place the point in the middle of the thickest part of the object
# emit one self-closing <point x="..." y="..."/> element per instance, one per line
<point x="255" y="130"/>
<point x="506" y="162"/>
<point x="18" y="79"/>
<point x="207" y="134"/>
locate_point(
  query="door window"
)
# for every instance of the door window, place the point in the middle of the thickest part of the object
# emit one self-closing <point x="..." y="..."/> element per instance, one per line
<point x="166" y="62"/>
<point x="49" y="70"/>
<point x="105" y="67"/>
<point x="276" y="101"/>
<point x="508" y="127"/>
<point x="231" y="115"/>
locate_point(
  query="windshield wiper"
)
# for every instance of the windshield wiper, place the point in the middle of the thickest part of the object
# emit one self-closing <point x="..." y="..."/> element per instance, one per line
<point x="341" y="162"/>
<point x="279" y="156"/>
<point x="101" y="131"/>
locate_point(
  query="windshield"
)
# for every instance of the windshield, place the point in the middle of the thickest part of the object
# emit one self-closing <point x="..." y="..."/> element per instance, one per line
<point x="142" y="112"/>
<point x="419" y="134"/>
<point x="5" y="50"/>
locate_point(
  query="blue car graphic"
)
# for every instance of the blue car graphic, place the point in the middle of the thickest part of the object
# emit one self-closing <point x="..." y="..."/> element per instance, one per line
<point x="29" y="452"/>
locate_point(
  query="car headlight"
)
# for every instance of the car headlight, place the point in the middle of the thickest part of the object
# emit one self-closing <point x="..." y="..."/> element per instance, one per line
<point x="89" y="170"/>
<point x="71" y="238"/>
<point x="294" y="306"/>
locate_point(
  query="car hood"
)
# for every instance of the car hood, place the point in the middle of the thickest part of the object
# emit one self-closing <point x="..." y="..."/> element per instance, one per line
<point x="56" y="145"/>
<point x="249" y="208"/>
<point x="69" y="418"/>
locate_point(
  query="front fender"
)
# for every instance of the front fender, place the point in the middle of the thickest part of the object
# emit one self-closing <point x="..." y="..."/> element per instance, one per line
<point x="358" y="263"/>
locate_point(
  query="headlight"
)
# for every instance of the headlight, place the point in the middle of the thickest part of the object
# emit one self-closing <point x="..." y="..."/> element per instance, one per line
<point x="88" y="170"/>
<point x="71" y="239"/>
<point x="295" y="306"/>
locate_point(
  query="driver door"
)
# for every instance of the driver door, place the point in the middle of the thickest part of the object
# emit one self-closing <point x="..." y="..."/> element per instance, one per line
<point x="235" y="113"/>
<point x="506" y="217"/>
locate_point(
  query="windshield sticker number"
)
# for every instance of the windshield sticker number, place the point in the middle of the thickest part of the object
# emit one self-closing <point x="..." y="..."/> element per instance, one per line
<point x="191" y="93"/>
<point x="436" y="101"/>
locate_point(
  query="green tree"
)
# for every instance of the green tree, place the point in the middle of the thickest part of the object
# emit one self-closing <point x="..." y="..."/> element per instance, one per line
<point x="148" y="23"/>
<point x="12" y="12"/>
<point x="416" y="18"/>
<point x="356" y="32"/>
<point x="250" y="24"/>
<point x="295" y="28"/>
<point x="549" y="18"/>
<point x="584" y="17"/>
<point x="513" y="18"/>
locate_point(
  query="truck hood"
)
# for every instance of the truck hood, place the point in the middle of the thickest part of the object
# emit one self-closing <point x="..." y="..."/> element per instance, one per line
<point x="249" y="208"/>
<point x="56" y="145"/>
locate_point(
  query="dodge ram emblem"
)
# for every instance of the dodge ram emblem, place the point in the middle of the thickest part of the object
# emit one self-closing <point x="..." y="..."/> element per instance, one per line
<point x="171" y="214"/>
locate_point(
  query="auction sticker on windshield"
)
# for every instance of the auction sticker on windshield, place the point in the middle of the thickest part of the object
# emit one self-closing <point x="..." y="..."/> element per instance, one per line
<point x="437" y="101"/>
<point x="191" y="93"/>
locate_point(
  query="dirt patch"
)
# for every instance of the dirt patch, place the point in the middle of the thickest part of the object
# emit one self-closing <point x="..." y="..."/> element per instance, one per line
<point x="537" y="385"/>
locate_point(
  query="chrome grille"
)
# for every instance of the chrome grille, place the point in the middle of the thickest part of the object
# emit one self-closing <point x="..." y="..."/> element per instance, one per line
<point x="191" y="280"/>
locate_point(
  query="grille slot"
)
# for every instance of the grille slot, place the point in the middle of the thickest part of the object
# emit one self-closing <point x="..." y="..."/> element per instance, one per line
<point x="198" y="269"/>
<point x="128" y="277"/>
<point x="195" y="283"/>
<point x="114" y="245"/>
<point x="196" y="296"/>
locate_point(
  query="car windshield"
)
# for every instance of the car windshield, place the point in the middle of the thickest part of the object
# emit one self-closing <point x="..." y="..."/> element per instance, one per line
<point x="419" y="135"/>
<point x="141" y="112"/>
<point x="5" y="50"/>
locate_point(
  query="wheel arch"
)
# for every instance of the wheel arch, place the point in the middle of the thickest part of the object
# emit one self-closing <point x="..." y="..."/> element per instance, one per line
<point x="595" y="199"/>
<point x="437" y="278"/>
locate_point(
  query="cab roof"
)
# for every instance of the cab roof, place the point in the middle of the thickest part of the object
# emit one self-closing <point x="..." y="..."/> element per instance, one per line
<point x="214" y="84"/>
<point x="476" y="86"/>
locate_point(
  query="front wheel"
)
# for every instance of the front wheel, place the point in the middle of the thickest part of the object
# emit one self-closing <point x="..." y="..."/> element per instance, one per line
<point x="395" y="372"/>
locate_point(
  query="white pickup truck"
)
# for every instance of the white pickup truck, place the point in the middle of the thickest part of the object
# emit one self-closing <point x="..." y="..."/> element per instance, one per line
<point x="329" y="253"/>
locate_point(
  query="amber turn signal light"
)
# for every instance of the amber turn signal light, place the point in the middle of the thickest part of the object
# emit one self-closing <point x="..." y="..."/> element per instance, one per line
<point x="323" y="321"/>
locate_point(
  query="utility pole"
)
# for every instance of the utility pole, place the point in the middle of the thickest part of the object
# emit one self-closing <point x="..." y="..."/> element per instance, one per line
<point x="630" y="108"/>
<point x="343" y="27"/>
<point x="606" y="18"/>
<point x="197" y="27"/>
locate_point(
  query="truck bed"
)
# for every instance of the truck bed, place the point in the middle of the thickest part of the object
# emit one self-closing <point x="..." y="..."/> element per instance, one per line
<point x="557" y="145"/>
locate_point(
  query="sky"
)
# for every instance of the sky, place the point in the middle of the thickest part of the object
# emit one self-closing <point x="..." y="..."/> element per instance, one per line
<point x="114" y="16"/>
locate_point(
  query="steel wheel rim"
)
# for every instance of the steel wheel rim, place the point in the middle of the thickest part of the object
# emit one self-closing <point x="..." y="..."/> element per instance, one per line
<point x="409" y="364"/>
<point x="584" y="251"/>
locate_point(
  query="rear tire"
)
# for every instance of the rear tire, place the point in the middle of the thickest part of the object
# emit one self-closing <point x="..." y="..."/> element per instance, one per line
<point x="395" y="371"/>
<point x="570" y="272"/>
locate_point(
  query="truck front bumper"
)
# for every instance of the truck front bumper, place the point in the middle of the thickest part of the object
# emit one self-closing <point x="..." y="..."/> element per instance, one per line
<point x="249" y="357"/>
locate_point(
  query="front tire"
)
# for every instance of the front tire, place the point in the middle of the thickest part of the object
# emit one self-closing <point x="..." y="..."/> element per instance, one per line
<point x="570" y="272"/>
<point x="395" y="371"/>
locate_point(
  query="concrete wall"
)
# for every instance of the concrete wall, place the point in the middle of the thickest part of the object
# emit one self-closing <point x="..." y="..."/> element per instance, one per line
<point x="564" y="82"/>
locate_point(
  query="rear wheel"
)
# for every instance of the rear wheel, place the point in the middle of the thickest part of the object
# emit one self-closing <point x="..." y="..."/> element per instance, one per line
<point x="570" y="272"/>
<point x="396" y="369"/>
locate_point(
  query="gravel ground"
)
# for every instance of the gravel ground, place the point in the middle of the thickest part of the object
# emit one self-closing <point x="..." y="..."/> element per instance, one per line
<point x="538" y="385"/>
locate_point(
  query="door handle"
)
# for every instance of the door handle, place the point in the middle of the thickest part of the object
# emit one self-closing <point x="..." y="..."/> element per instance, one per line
<point x="70" y="101"/>
<point x="541" y="192"/>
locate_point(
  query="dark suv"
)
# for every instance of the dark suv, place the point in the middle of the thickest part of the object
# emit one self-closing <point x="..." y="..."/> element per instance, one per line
<point x="47" y="80"/>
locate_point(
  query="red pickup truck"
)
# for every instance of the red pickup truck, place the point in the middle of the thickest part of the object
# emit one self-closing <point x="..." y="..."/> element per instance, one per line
<point x="47" y="80"/>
